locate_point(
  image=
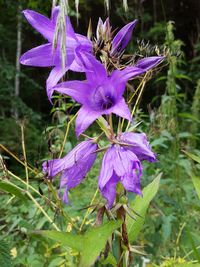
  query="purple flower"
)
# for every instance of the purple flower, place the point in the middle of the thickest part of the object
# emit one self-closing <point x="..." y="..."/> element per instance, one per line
<point x="45" y="55"/>
<point x="73" y="167"/>
<point x="139" y="145"/>
<point x="122" y="38"/>
<point x="100" y="94"/>
<point x="119" y="165"/>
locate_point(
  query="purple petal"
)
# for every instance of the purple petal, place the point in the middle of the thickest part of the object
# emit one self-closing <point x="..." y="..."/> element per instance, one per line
<point x="122" y="38"/>
<point x="54" y="14"/>
<point x="107" y="167"/>
<point x="40" y="56"/>
<point x="69" y="30"/>
<point x="131" y="183"/>
<point x="41" y="23"/>
<point x="122" y="76"/>
<point x="139" y="145"/>
<point x="78" y="90"/>
<point x="55" y="75"/>
<point x="148" y="62"/>
<point x="53" y="167"/>
<point x="65" y="196"/>
<point x="109" y="190"/>
<point x="85" y="118"/>
<point x="95" y="71"/>
<point x="58" y="71"/>
<point x="82" y="155"/>
<point x="80" y="160"/>
<point x="121" y="109"/>
<point x="125" y="161"/>
<point x="129" y="169"/>
<point x="85" y="42"/>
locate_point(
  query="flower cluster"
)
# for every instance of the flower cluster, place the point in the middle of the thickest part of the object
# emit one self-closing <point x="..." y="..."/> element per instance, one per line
<point x="101" y="93"/>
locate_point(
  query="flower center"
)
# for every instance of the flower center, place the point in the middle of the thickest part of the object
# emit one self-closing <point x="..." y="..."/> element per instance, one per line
<point x="102" y="99"/>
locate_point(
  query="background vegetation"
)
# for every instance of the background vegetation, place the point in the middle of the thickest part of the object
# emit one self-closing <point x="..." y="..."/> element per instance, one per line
<point x="170" y="114"/>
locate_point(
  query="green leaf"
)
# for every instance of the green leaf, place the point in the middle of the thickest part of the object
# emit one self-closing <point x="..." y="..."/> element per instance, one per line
<point x="110" y="260"/>
<point x="89" y="245"/>
<point x="188" y="265"/>
<point x="66" y="239"/>
<point x="140" y="205"/>
<point x="196" y="182"/>
<point x="195" y="250"/>
<point x="5" y="257"/>
<point x="192" y="156"/>
<point x="12" y="189"/>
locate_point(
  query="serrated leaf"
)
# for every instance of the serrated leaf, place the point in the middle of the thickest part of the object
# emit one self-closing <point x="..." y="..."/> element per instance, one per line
<point x="89" y="245"/>
<point x="140" y="205"/>
<point x="5" y="257"/>
<point x="9" y="188"/>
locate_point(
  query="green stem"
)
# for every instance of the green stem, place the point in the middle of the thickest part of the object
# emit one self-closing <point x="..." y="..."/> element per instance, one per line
<point x="66" y="134"/>
<point x="42" y="210"/>
<point x="24" y="154"/>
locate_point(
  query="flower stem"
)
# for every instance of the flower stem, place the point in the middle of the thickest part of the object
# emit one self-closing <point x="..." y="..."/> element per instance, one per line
<point x="16" y="158"/>
<point x="111" y="122"/>
<point x="88" y="210"/>
<point x="66" y="134"/>
<point x="120" y="249"/>
<point x="42" y="210"/>
<point x="24" y="154"/>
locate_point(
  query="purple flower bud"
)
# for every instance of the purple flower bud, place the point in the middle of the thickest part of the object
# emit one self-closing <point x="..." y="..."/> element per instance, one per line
<point x="103" y="31"/>
<point x="122" y="38"/>
<point x="73" y="167"/>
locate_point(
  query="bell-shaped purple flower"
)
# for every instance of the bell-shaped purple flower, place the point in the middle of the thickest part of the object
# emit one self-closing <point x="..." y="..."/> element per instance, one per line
<point x="122" y="38"/>
<point x="119" y="165"/>
<point x="73" y="167"/>
<point x="101" y="93"/>
<point x="46" y="55"/>
<point x="139" y="145"/>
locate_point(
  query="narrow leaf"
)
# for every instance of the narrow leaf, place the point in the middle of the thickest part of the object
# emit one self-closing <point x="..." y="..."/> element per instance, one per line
<point x="5" y="258"/>
<point x="140" y="205"/>
<point x="9" y="188"/>
<point x="196" y="182"/>
<point x="192" y="156"/>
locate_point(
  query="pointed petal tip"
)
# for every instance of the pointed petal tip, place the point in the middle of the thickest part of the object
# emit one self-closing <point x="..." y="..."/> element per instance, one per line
<point x="134" y="22"/>
<point x="78" y="132"/>
<point x="25" y="11"/>
<point x="21" y="60"/>
<point x="24" y="60"/>
<point x="28" y="12"/>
